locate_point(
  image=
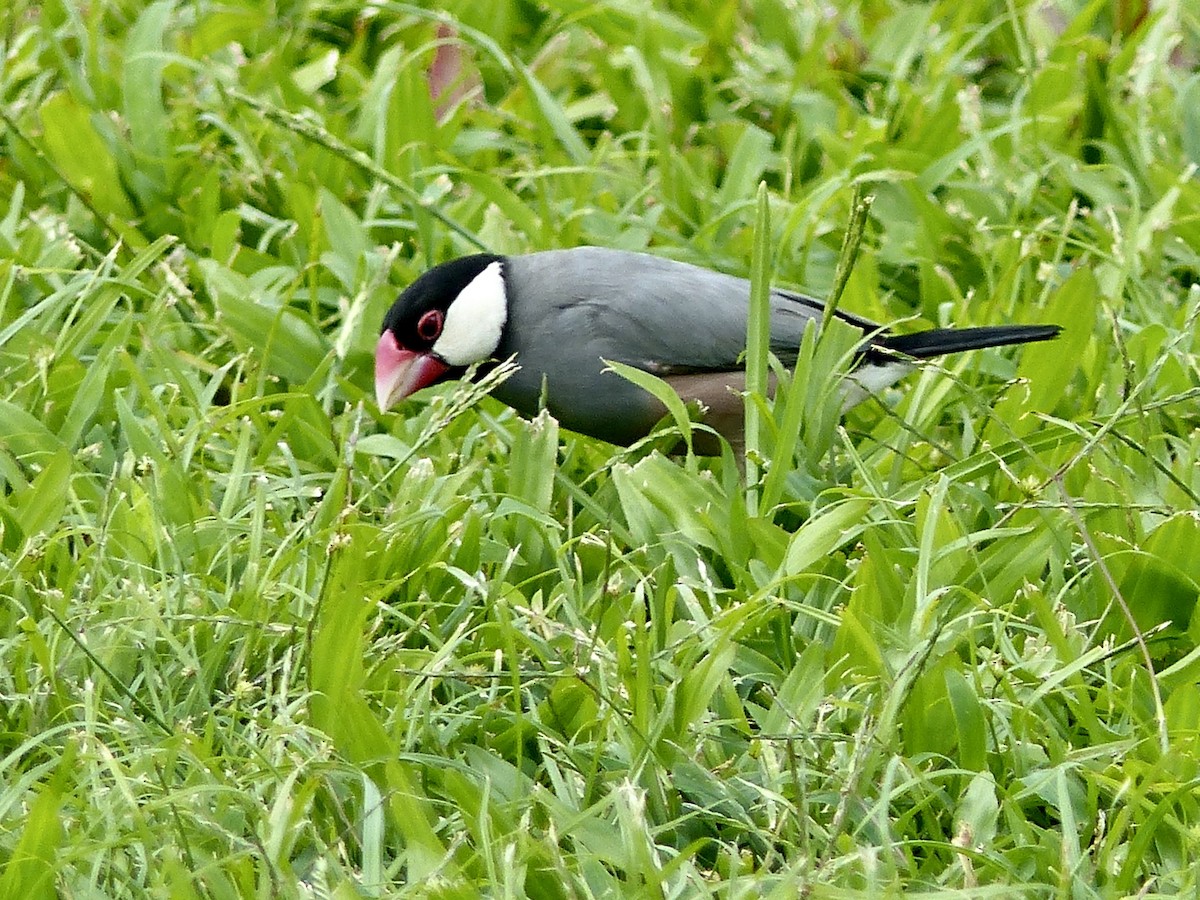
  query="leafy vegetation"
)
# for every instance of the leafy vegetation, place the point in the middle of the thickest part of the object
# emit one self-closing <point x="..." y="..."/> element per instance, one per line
<point x="259" y="640"/>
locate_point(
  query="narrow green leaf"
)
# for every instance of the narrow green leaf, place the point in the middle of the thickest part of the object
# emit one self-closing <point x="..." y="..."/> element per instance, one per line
<point x="758" y="345"/>
<point x="89" y="401"/>
<point x="512" y="205"/>
<point x="12" y="216"/>
<point x="791" y="404"/>
<point x="932" y="571"/>
<point x="99" y="295"/>
<point x="664" y="394"/>
<point x="553" y="115"/>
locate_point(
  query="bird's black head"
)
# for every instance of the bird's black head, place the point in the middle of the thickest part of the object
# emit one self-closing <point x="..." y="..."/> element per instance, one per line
<point x="427" y="317"/>
<point x="448" y="319"/>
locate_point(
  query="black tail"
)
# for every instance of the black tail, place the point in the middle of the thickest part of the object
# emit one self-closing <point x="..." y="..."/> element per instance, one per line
<point x="937" y="341"/>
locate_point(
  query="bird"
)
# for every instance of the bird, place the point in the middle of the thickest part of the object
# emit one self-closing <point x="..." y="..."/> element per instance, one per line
<point x="561" y="314"/>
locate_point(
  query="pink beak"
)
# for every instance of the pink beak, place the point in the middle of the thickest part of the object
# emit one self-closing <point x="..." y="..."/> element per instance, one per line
<point x="400" y="371"/>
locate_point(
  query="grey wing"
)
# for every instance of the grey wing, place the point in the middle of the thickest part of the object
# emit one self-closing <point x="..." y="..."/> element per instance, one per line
<point x="658" y="314"/>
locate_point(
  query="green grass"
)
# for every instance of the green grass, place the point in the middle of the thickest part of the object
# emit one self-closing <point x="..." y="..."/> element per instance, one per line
<point x="256" y="640"/>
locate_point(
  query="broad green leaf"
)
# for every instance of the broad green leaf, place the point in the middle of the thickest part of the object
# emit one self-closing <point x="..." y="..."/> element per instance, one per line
<point x="39" y="507"/>
<point x="149" y="128"/>
<point x="511" y="204"/>
<point x="752" y="156"/>
<point x="258" y="321"/>
<point x="383" y="445"/>
<point x="979" y="809"/>
<point x="340" y="709"/>
<point x="1189" y="108"/>
<point x="316" y="74"/>
<point x="968" y="720"/>
<point x="24" y="435"/>
<point x="1161" y="583"/>
<point x="31" y="869"/>
<point x="347" y="239"/>
<point x="834" y="526"/>
<point x="534" y="461"/>
<point x="660" y="499"/>
<point x="797" y="698"/>
<point x="76" y="148"/>
<point x="1074" y="305"/>
<point x="856" y="649"/>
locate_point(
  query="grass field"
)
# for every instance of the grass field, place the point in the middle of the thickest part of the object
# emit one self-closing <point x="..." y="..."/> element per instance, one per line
<point x="257" y="639"/>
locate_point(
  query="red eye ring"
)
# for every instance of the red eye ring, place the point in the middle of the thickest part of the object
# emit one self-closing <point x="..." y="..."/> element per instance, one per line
<point x="429" y="326"/>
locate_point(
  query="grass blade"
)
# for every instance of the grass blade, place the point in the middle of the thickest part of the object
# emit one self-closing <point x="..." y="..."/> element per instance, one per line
<point x="758" y="346"/>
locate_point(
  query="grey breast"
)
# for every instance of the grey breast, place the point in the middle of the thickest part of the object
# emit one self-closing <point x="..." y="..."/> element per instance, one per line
<point x="571" y="309"/>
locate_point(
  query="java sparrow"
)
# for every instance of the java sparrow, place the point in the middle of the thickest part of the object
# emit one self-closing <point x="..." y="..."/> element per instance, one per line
<point x="563" y="312"/>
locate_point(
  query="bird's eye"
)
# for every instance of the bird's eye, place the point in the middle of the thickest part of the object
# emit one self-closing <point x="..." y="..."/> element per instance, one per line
<point x="429" y="326"/>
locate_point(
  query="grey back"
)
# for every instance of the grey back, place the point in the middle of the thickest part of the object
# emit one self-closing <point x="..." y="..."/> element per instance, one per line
<point x="570" y="309"/>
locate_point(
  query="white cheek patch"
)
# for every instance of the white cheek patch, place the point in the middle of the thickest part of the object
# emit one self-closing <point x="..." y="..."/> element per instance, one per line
<point x="475" y="320"/>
